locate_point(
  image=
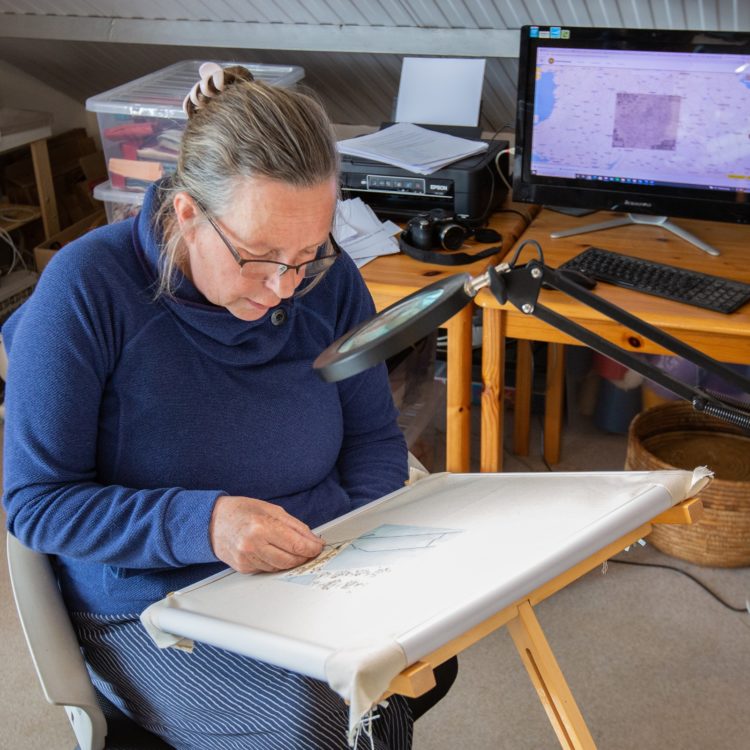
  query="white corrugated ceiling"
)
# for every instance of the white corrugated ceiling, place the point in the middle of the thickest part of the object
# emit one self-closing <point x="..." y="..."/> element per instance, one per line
<point x="351" y="49"/>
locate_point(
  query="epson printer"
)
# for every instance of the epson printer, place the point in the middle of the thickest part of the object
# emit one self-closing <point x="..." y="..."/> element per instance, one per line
<point x="469" y="189"/>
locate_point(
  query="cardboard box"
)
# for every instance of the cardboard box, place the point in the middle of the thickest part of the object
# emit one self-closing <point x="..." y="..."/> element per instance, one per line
<point x="44" y="253"/>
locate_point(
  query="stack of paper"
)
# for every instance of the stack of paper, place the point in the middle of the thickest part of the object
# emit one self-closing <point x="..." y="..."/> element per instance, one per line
<point x="359" y="231"/>
<point x="411" y="147"/>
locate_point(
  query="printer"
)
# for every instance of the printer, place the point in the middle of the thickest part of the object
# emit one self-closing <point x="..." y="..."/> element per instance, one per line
<point x="469" y="189"/>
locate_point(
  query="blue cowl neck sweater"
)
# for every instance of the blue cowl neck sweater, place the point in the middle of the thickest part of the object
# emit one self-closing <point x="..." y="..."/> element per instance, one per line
<point x="127" y="417"/>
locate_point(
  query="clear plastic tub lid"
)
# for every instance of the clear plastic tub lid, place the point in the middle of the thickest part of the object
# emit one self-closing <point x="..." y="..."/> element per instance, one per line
<point x="105" y="192"/>
<point x="160" y="94"/>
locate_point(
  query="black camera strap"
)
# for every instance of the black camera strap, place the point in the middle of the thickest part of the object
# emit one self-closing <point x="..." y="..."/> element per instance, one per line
<point x="443" y="257"/>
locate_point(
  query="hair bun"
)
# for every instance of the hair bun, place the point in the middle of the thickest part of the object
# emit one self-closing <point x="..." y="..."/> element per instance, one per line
<point x="237" y="74"/>
<point x="213" y="80"/>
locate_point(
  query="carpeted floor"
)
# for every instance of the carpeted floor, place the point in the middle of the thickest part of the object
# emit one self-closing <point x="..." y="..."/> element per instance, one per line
<point x="653" y="660"/>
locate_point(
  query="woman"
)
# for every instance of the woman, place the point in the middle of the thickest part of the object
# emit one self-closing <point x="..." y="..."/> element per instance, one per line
<point x="163" y="418"/>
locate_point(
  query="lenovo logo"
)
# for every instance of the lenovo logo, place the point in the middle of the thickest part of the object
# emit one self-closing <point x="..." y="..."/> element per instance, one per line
<point x="640" y="204"/>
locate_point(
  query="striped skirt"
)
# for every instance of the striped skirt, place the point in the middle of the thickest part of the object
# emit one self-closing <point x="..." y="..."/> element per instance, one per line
<point x="212" y="699"/>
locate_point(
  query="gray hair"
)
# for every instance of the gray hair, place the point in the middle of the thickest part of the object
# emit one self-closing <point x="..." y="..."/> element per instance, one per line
<point x="250" y="129"/>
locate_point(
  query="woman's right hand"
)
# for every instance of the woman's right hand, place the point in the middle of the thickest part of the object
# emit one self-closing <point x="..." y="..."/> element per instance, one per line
<point x="252" y="535"/>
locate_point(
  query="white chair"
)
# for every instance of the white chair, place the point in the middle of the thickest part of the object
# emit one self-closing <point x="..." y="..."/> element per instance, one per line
<point x="53" y="644"/>
<point x="58" y="661"/>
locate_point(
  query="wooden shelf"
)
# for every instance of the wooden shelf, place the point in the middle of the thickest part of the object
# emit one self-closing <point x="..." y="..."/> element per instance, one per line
<point x="35" y="136"/>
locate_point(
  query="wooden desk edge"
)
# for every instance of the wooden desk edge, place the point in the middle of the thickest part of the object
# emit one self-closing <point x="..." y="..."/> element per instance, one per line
<point x="419" y="677"/>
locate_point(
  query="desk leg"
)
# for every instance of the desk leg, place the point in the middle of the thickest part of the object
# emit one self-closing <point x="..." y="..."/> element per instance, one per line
<point x="45" y="187"/>
<point x="554" y="401"/>
<point x="522" y="402"/>
<point x="553" y="691"/>
<point x="493" y="390"/>
<point x="458" y="392"/>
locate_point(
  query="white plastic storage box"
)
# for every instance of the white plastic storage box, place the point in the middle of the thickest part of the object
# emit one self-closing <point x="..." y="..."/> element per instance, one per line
<point x="118" y="204"/>
<point x="141" y="122"/>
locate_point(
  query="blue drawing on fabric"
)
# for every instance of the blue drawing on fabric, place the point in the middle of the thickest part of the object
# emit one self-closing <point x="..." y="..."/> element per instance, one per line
<point x="351" y="563"/>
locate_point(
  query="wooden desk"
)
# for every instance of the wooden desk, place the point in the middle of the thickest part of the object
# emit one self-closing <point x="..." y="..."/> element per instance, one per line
<point x="724" y="337"/>
<point x="390" y="278"/>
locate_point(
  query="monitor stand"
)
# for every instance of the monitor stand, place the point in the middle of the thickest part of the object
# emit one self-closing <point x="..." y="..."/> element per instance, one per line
<point x="662" y="221"/>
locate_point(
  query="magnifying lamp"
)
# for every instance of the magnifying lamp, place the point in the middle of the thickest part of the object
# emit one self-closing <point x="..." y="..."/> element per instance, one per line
<point x="413" y="317"/>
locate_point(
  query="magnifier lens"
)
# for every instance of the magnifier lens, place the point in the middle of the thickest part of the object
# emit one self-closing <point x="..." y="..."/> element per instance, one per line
<point x="391" y="319"/>
<point x="395" y="328"/>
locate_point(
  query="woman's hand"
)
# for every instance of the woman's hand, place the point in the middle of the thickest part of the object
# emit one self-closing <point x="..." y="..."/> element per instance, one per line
<point x="252" y="535"/>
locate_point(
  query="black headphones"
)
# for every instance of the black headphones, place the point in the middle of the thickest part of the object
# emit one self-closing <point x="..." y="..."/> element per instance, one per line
<point x="440" y="229"/>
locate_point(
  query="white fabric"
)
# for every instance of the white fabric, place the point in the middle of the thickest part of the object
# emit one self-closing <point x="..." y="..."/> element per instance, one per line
<point x="363" y="674"/>
<point x="413" y="570"/>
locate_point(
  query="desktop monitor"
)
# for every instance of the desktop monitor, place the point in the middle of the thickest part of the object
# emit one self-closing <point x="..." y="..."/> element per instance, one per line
<point x="649" y="122"/>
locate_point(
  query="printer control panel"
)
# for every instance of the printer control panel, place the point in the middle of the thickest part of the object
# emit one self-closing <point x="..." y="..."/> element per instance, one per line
<point x="390" y="183"/>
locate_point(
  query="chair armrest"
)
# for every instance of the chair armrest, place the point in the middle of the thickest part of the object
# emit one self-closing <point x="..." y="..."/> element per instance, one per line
<point x="53" y="644"/>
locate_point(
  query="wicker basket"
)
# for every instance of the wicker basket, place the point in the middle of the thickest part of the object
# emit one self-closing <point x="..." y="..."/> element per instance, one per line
<point x="675" y="436"/>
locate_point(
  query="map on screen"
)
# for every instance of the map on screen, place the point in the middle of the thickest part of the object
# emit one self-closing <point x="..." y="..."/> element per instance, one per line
<point x="640" y="117"/>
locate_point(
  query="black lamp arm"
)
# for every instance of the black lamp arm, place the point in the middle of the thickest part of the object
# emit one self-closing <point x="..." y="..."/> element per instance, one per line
<point x="520" y="286"/>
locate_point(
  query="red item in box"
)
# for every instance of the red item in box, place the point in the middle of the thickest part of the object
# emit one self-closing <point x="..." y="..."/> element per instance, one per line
<point x="129" y="131"/>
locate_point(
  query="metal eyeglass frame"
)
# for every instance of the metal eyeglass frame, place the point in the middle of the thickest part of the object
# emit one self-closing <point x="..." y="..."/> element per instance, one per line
<point x="283" y="267"/>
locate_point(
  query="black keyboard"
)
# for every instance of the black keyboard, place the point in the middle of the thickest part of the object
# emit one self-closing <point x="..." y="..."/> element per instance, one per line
<point x="678" y="284"/>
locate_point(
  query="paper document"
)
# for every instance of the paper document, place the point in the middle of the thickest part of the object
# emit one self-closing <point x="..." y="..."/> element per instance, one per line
<point x="440" y="90"/>
<point x="411" y="147"/>
<point x="361" y="234"/>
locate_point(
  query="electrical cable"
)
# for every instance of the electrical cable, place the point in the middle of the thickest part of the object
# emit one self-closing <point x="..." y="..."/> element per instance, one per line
<point x="645" y="564"/>
<point x="488" y="210"/>
<point x="540" y="419"/>
<point x="657" y="565"/>
<point x="16" y="253"/>
<point x="685" y="573"/>
<point x="486" y="213"/>
<point x="511" y="151"/>
<point x="17" y="213"/>
<point x="515" y="211"/>
<point x="633" y="562"/>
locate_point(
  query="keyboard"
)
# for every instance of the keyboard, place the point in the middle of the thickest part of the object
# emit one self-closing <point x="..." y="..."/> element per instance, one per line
<point x="690" y="287"/>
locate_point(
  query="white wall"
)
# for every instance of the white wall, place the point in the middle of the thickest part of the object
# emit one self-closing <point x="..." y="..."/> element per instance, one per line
<point x="18" y="90"/>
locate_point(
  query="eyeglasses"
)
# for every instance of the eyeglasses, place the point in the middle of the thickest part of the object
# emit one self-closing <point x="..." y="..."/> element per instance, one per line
<point x="263" y="269"/>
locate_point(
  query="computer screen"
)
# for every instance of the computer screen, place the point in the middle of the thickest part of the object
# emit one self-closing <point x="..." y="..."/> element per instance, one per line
<point x="635" y="120"/>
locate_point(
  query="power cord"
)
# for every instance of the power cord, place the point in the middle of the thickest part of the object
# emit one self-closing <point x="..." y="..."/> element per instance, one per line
<point x="16" y="253"/>
<point x="633" y="562"/>
<point x="498" y="155"/>
<point x="522" y="214"/>
<point x="502" y="153"/>
<point x="689" y="575"/>
<point x="13" y="213"/>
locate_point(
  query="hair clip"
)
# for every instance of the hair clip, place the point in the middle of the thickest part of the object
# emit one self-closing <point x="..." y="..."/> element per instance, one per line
<point x="211" y="83"/>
